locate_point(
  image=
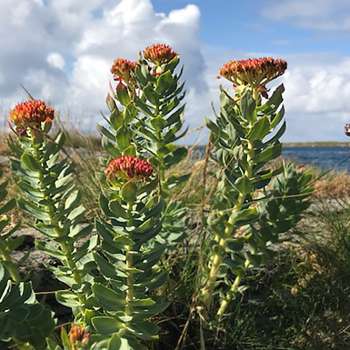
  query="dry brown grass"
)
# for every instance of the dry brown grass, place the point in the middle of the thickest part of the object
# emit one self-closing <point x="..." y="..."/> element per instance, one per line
<point x="3" y="143"/>
<point x="333" y="186"/>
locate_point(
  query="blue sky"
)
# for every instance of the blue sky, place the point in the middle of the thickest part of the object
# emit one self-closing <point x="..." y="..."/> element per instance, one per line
<point x="66" y="55"/>
<point x="242" y="26"/>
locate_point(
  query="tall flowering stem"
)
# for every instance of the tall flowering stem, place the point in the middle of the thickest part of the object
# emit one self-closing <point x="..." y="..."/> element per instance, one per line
<point x="16" y="297"/>
<point x="146" y="119"/>
<point x="161" y="127"/>
<point x="160" y="103"/>
<point x="130" y="219"/>
<point x="245" y="139"/>
<point x="51" y="197"/>
<point x="118" y="137"/>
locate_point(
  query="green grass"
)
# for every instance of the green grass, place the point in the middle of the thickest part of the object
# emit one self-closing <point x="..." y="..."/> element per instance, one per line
<point x="299" y="300"/>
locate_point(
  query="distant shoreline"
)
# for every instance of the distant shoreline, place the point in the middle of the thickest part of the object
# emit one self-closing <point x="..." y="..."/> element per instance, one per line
<point x="316" y="144"/>
<point x="79" y="140"/>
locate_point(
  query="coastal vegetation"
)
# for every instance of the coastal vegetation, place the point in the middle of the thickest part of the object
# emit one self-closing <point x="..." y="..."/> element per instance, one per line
<point x="127" y="242"/>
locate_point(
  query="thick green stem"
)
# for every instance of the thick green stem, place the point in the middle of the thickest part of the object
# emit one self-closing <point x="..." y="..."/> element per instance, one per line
<point x="63" y="241"/>
<point x="218" y="257"/>
<point x="130" y="275"/>
<point x="234" y="288"/>
<point x="233" y="291"/>
<point x="207" y="290"/>
<point x="161" y="166"/>
<point x="130" y="282"/>
<point x="228" y="298"/>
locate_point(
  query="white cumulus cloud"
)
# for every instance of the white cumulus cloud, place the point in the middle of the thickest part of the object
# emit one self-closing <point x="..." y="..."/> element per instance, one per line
<point x="317" y="97"/>
<point x="66" y="55"/>
<point x="56" y="60"/>
<point x="62" y="51"/>
<point x="315" y="14"/>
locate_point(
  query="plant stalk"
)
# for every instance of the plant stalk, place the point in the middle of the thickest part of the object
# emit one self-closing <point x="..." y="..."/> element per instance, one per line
<point x="217" y="258"/>
<point x="129" y="264"/>
<point x="64" y="245"/>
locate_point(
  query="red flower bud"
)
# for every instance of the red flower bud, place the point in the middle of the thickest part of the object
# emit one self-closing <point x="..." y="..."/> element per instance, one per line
<point x="31" y="114"/>
<point x="159" y="54"/>
<point x="78" y="334"/>
<point x="130" y="167"/>
<point x="256" y="72"/>
<point x="122" y="69"/>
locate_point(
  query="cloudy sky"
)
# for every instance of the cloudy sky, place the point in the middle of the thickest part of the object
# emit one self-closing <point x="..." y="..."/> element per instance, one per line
<point x="61" y="51"/>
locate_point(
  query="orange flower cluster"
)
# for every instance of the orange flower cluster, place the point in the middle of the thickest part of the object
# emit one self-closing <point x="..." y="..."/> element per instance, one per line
<point x="31" y="114"/>
<point x="130" y="167"/>
<point x="159" y="54"/>
<point x="78" y="334"/>
<point x="255" y="72"/>
<point x="122" y="69"/>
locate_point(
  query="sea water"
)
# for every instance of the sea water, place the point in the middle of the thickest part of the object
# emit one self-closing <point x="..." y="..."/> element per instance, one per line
<point x="325" y="158"/>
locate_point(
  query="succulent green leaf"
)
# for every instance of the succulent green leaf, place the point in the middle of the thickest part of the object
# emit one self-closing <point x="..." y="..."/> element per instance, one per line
<point x="165" y="82"/>
<point x="243" y="185"/>
<point x="109" y="299"/>
<point x="21" y="317"/>
<point x="248" y="106"/>
<point x="271" y="152"/>
<point x="28" y="162"/>
<point x="129" y="192"/>
<point x="105" y="132"/>
<point x="144" y="330"/>
<point x="260" y="129"/>
<point x="123" y="95"/>
<point x="106" y="325"/>
<point x="68" y="299"/>
<point x="151" y="95"/>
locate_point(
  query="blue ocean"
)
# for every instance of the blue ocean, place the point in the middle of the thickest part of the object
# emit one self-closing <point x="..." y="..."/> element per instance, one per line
<point x="325" y="158"/>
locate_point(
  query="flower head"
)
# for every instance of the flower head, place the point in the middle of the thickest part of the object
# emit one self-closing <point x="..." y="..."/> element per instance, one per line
<point x="78" y="334"/>
<point x="130" y="167"/>
<point x="31" y="114"/>
<point x="253" y="71"/>
<point x="159" y="53"/>
<point x="122" y="69"/>
<point x="347" y="129"/>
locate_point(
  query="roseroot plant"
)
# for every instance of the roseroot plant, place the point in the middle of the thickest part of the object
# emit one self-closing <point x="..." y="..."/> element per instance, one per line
<point x="49" y="195"/>
<point x="161" y="108"/>
<point x="22" y="319"/>
<point x="287" y="197"/>
<point x="128" y="264"/>
<point x="245" y="214"/>
<point x="8" y="242"/>
<point x="118" y="138"/>
<point x="147" y="119"/>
